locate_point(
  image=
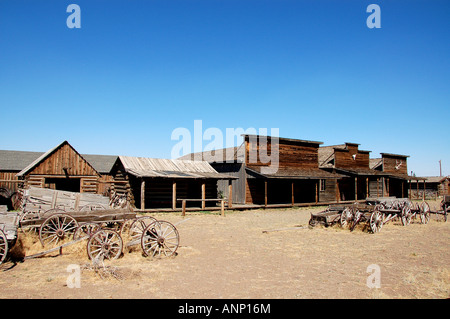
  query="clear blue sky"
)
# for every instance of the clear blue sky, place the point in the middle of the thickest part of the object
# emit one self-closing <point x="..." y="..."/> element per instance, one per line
<point x="136" y="70"/>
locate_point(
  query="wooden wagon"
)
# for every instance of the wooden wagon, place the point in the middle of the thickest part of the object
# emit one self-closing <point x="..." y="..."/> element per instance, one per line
<point x="60" y="221"/>
<point x="8" y="232"/>
<point x="375" y="212"/>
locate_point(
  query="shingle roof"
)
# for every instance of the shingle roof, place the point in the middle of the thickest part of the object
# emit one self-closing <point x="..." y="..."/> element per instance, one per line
<point x="18" y="160"/>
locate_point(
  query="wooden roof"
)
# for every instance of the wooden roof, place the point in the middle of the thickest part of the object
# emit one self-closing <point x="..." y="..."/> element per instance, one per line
<point x="296" y="173"/>
<point x="282" y="139"/>
<point x="224" y="155"/>
<point x="168" y="168"/>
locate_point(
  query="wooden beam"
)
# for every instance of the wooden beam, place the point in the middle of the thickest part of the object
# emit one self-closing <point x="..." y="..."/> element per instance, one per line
<point x="387" y="187"/>
<point x="356" y="188"/>
<point x="230" y="194"/>
<point x="378" y="187"/>
<point x="424" y="187"/>
<point x="142" y="194"/>
<point x="367" y="187"/>
<point x="317" y="191"/>
<point x="174" y="195"/>
<point x="338" y="196"/>
<point x="203" y="195"/>
<point x="183" y="208"/>
<point x="292" y="193"/>
<point x="265" y="193"/>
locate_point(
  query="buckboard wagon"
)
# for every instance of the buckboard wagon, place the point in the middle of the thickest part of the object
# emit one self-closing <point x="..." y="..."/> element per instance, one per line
<point x="103" y="228"/>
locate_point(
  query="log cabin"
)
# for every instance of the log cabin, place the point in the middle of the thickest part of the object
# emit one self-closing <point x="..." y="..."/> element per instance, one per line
<point x="61" y="168"/>
<point x="273" y="171"/>
<point x="163" y="183"/>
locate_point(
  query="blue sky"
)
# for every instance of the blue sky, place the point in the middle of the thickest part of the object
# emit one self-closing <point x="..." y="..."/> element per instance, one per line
<point x="137" y="70"/>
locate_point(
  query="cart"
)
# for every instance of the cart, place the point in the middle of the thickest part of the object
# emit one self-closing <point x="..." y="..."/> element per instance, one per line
<point x="104" y="229"/>
<point x="8" y="232"/>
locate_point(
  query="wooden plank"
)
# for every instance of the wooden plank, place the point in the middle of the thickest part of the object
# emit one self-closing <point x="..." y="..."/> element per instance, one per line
<point x="203" y="195"/>
<point x="142" y="194"/>
<point x="174" y="195"/>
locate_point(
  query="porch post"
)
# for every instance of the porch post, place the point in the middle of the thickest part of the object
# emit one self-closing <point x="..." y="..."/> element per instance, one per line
<point x="203" y="195"/>
<point x="142" y="194"/>
<point x="174" y="195"/>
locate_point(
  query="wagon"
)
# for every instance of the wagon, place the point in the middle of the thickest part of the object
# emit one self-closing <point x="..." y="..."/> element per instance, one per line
<point x="374" y="213"/>
<point x="104" y="229"/>
<point x="8" y="232"/>
<point x="63" y="218"/>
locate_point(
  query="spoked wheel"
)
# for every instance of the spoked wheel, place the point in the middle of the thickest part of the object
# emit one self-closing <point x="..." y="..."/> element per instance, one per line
<point x="357" y="216"/>
<point x="105" y="244"/>
<point x="376" y="221"/>
<point x="346" y="217"/>
<point x="406" y="216"/>
<point x="56" y="228"/>
<point x="160" y="239"/>
<point x="138" y="226"/>
<point x="424" y="213"/>
<point x="86" y="229"/>
<point x="3" y="246"/>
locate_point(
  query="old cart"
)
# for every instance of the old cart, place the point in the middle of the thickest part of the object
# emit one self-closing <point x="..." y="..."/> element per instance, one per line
<point x="8" y="232"/>
<point x="60" y="221"/>
<point x="374" y="213"/>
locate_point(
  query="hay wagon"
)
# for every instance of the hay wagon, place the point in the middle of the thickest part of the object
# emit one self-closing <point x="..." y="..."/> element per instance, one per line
<point x="63" y="223"/>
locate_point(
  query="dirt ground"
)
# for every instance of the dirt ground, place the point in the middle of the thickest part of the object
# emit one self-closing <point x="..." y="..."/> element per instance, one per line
<point x="231" y="257"/>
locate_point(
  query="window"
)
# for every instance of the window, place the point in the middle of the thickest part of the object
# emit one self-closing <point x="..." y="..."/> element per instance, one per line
<point x="322" y="185"/>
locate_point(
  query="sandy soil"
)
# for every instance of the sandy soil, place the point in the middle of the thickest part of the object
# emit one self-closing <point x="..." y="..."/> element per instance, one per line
<point x="231" y="257"/>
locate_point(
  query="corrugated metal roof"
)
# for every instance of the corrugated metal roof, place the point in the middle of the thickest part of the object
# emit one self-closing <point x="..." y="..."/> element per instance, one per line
<point x="168" y="168"/>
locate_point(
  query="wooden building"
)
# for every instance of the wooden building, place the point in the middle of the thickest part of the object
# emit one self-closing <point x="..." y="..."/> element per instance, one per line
<point x="162" y="183"/>
<point x="273" y="171"/>
<point x="61" y="168"/>
<point x="430" y="187"/>
<point x="396" y="181"/>
<point x="360" y="180"/>
<point x="11" y="163"/>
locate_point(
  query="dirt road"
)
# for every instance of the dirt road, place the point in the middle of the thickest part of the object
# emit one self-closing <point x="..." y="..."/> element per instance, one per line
<point x="231" y="257"/>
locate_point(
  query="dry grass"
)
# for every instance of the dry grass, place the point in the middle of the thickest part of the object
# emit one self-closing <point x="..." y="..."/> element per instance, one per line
<point x="231" y="257"/>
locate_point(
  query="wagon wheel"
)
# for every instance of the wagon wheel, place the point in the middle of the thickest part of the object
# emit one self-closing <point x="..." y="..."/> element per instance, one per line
<point x="376" y="221"/>
<point x="105" y="244"/>
<point x="356" y="219"/>
<point x="406" y="216"/>
<point x="91" y="207"/>
<point x="425" y="213"/>
<point x="3" y="246"/>
<point x="139" y="225"/>
<point x="56" y="227"/>
<point x="160" y="239"/>
<point x="86" y="229"/>
<point x="346" y="217"/>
